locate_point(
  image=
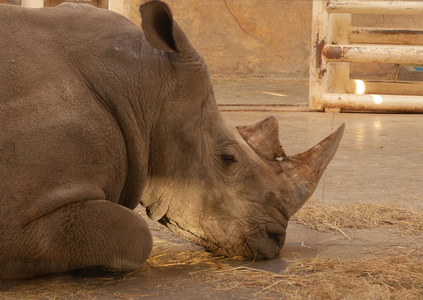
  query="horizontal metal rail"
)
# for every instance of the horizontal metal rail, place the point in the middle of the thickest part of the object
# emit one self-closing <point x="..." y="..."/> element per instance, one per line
<point x="391" y="103"/>
<point x="375" y="7"/>
<point x="336" y="44"/>
<point x="369" y="35"/>
<point x="374" y="54"/>
<point x="385" y="87"/>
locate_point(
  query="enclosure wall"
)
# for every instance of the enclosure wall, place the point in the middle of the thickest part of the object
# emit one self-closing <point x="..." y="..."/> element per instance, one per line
<point x="262" y="38"/>
<point x="256" y="38"/>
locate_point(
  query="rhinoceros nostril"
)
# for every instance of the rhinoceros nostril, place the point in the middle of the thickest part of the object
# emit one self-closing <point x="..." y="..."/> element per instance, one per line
<point x="268" y="247"/>
<point x="267" y="244"/>
<point x="279" y="239"/>
<point x="273" y="237"/>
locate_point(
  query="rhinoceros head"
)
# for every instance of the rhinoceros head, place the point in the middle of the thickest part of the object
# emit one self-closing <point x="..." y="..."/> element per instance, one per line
<point x="229" y="190"/>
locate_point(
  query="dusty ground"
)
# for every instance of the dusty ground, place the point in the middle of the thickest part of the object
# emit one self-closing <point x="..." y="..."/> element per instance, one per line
<point x="378" y="161"/>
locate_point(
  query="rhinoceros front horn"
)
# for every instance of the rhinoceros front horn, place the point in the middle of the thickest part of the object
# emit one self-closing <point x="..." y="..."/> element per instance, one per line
<point x="304" y="170"/>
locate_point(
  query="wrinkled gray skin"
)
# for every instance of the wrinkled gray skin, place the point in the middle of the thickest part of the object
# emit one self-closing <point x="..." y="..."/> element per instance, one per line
<point x="96" y="118"/>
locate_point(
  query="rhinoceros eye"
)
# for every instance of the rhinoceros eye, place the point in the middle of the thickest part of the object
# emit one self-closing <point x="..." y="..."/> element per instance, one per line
<point x="228" y="159"/>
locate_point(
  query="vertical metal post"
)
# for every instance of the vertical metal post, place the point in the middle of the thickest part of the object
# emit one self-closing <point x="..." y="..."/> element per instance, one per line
<point x="330" y="87"/>
<point x="318" y="68"/>
<point x="32" y="3"/>
<point x="121" y="7"/>
<point x="338" y="73"/>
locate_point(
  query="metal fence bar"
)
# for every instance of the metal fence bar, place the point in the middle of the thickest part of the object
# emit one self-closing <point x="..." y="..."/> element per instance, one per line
<point x="369" y="35"/>
<point x="32" y="3"/>
<point x="374" y="54"/>
<point x="375" y="7"/>
<point x="392" y="103"/>
<point x="336" y="44"/>
<point x="121" y="7"/>
<point x="318" y="66"/>
<point x="381" y="87"/>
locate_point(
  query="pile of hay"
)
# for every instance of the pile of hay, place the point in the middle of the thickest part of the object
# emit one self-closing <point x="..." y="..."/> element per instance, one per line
<point x="51" y="289"/>
<point x="173" y="255"/>
<point x="333" y="217"/>
<point x="394" y="275"/>
<point x="397" y="274"/>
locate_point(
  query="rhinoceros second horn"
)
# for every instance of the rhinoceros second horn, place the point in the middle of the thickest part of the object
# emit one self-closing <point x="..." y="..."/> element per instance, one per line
<point x="263" y="137"/>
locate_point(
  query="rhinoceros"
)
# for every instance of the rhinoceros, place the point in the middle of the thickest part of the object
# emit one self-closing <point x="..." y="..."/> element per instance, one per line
<point x="98" y="116"/>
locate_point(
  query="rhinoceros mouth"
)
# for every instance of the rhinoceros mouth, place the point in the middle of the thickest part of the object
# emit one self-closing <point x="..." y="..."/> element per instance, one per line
<point x="264" y="242"/>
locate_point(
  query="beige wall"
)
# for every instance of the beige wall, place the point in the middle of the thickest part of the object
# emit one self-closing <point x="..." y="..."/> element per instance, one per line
<point x="258" y="38"/>
<point x="247" y="37"/>
<point x="254" y="38"/>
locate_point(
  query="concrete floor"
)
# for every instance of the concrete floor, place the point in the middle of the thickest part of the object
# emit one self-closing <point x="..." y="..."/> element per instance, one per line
<point x="380" y="159"/>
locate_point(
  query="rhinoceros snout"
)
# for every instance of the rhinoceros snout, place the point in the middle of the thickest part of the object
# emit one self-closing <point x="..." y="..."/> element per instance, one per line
<point x="267" y="244"/>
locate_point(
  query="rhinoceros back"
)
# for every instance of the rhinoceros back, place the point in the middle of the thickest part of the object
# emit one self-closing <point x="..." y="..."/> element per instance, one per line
<point x="58" y="143"/>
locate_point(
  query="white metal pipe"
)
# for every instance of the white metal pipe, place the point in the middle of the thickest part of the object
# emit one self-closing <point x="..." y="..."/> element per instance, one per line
<point x="374" y="54"/>
<point x="375" y="7"/>
<point x="357" y="86"/>
<point x="392" y="103"/>
<point x="121" y="7"/>
<point x="32" y="3"/>
<point x="369" y="35"/>
<point x="318" y="66"/>
<point x="338" y="74"/>
<point x="400" y="97"/>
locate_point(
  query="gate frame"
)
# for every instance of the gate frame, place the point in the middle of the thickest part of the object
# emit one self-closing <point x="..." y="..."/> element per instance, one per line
<point x="335" y="44"/>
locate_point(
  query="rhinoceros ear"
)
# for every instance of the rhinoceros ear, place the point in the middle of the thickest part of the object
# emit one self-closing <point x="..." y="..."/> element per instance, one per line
<point x="263" y="137"/>
<point x="160" y="30"/>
